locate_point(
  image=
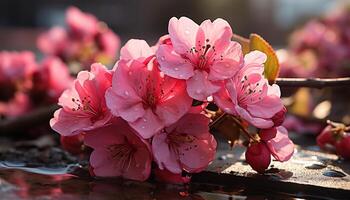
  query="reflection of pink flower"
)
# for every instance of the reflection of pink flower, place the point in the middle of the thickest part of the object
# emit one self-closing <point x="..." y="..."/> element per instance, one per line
<point x="46" y="82"/>
<point x="167" y="177"/>
<point x="201" y="55"/>
<point x="250" y="96"/>
<point x="273" y="142"/>
<point x="142" y="95"/>
<point x="119" y="152"/>
<point x="83" y="105"/>
<point x="186" y="145"/>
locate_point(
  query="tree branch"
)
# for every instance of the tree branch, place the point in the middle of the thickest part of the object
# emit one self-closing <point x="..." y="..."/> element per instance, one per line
<point x="313" y="82"/>
<point x="21" y="123"/>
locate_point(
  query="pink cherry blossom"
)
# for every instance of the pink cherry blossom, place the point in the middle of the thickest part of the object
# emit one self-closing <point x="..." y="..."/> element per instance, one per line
<point x="45" y="81"/>
<point x="73" y="144"/>
<point x="200" y="54"/>
<point x="81" y="24"/>
<point x="83" y="104"/>
<point x="186" y="145"/>
<point x="250" y="96"/>
<point x="144" y="96"/>
<point x="85" y="41"/>
<point x="54" y="41"/>
<point x="16" y="69"/>
<point x="119" y="152"/>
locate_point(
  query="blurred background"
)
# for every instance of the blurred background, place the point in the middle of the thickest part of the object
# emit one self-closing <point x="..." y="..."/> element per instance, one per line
<point x="21" y="20"/>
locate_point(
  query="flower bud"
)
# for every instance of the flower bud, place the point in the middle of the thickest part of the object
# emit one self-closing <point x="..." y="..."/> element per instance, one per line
<point x="267" y="134"/>
<point x="343" y="147"/>
<point x="279" y="117"/>
<point x="325" y="137"/>
<point x="258" y="156"/>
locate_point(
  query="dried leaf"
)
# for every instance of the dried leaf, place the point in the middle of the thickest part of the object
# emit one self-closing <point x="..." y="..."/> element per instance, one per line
<point x="228" y="129"/>
<point x="271" y="65"/>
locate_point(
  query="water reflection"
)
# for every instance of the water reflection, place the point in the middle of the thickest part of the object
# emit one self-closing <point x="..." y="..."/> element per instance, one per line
<point x="18" y="184"/>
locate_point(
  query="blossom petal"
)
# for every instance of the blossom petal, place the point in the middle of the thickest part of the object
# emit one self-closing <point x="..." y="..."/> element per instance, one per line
<point x="183" y="33"/>
<point x="163" y="155"/>
<point x="281" y="147"/>
<point x="135" y="49"/>
<point x="148" y="125"/>
<point x="172" y="64"/>
<point x="255" y="121"/>
<point x="199" y="87"/>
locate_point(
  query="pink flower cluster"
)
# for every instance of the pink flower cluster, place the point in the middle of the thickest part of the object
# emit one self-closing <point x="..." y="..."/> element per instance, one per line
<point x="85" y="41"/>
<point x="25" y="84"/>
<point x="141" y="111"/>
<point x="320" y="48"/>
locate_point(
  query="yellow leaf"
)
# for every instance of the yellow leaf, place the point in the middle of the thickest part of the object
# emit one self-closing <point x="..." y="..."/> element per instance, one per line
<point x="271" y="65"/>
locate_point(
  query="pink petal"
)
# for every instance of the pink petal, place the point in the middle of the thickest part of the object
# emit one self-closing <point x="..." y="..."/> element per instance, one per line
<point x="266" y="108"/>
<point x="199" y="87"/>
<point x="68" y="124"/>
<point x="175" y="102"/>
<point x="135" y="49"/>
<point x="183" y="33"/>
<point x="105" y="136"/>
<point x="197" y="155"/>
<point x="230" y="65"/>
<point x="102" y="164"/>
<point x="172" y="64"/>
<point x="281" y="147"/>
<point x="140" y="166"/>
<point x="223" y="101"/>
<point x="148" y="125"/>
<point x="255" y="121"/>
<point x="194" y="124"/>
<point x="218" y="32"/>
<point x="163" y="155"/>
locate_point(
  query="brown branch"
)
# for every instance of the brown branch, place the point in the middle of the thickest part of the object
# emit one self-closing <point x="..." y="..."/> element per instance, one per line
<point x="313" y="82"/>
<point x="37" y="117"/>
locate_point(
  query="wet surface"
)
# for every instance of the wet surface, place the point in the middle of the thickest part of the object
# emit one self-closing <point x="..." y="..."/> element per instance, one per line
<point x="43" y="171"/>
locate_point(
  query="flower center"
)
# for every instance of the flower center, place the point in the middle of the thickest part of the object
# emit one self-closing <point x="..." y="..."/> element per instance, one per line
<point x="250" y="91"/>
<point x="121" y="154"/>
<point x="203" y="55"/>
<point x="84" y="105"/>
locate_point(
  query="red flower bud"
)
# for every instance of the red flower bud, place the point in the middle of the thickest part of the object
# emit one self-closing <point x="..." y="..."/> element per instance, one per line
<point x="325" y="137"/>
<point x="343" y="147"/>
<point x="267" y="134"/>
<point x="258" y="156"/>
<point x="73" y="144"/>
<point x="279" y="117"/>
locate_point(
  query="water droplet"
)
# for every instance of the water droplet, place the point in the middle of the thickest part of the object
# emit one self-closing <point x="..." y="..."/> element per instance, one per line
<point x="126" y="93"/>
<point x="198" y="91"/>
<point x="130" y="73"/>
<point x="137" y="165"/>
<point x="143" y="127"/>
<point x="181" y="76"/>
<point x="176" y="69"/>
<point x="162" y="58"/>
<point x="316" y="166"/>
<point x="144" y="119"/>
<point x="187" y="32"/>
<point x="334" y="173"/>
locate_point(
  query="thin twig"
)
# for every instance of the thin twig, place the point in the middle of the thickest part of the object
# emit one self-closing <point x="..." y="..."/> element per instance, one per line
<point x="313" y="82"/>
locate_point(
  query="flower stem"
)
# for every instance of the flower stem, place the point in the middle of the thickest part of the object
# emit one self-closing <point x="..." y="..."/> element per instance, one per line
<point x="245" y="131"/>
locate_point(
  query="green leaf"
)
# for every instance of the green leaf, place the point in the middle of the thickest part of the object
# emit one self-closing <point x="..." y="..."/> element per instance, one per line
<point x="271" y="65"/>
